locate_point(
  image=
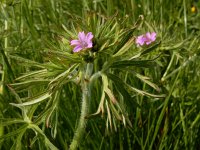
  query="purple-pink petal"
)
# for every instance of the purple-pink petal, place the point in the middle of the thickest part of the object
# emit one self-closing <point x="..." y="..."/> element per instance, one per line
<point x="148" y="35"/>
<point x="74" y="42"/>
<point x="84" y="41"/>
<point x="153" y="36"/>
<point x="140" y="40"/>
<point x="81" y="36"/>
<point x="147" y="39"/>
<point x="77" y="48"/>
<point x="89" y="36"/>
<point x="89" y="45"/>
<point x="148" y="42"/>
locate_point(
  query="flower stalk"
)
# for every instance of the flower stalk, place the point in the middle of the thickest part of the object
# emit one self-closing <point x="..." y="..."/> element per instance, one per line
<point x="86" y="95"/>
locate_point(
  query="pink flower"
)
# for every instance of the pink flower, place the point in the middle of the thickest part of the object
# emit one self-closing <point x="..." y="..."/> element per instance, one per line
<point x="140" y="40"/>
<point x="147" y="39"/>
<point x="84" y="41"/>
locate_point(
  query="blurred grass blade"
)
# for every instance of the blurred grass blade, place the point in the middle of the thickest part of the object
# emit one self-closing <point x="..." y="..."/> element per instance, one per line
<point x="5" y="58"/>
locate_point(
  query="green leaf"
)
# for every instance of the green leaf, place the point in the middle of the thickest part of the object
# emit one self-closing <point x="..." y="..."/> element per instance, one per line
<point x="125" y="48"/>
<point x="120" y="49"/>
<point x="31" y="74"/>
<point x="10" y="121"/>
<point x="151" y="48"/>
<point x="65" y="55"/>
<point x="47" y="142"/>
<point x="29" y="84"/>
<point x="8" y="65"/>
<point x="42" y="116"/>
<point x="120" y="85"/>
<point x="33" y="100"/>
<point x="26" y="62"/>
<point x="146" y="80"/>
<point x="137" y="63"/>
<point x="125" y="43"/>
<point x="15" y="132"/>
<point x="141" y="92"/>
<point x="18" y="142"/>
<point x="115" y="111"/>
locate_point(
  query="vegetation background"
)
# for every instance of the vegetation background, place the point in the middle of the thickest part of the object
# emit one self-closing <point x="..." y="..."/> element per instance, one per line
<point x="40" y="106"/>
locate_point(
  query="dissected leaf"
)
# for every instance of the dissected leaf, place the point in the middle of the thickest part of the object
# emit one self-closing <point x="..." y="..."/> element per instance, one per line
<point x="33" y="100"/>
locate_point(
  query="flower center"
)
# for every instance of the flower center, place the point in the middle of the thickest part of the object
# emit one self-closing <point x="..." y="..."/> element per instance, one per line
<point x="84" y="44"/>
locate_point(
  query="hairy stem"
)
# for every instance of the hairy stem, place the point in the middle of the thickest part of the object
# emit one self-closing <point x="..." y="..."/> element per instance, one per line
<point x="86" y="94"/>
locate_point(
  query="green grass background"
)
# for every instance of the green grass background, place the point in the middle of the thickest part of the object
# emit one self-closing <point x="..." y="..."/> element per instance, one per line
<point x="30" y="28"/>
